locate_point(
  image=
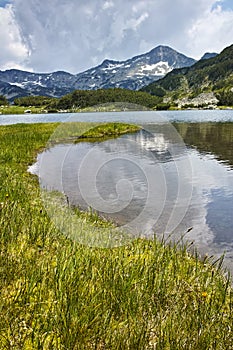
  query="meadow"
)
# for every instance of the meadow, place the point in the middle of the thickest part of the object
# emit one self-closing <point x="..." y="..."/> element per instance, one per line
<point x="59" y="294"/>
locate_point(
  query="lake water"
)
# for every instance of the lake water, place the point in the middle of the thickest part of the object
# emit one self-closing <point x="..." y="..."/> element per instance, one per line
<point x="175" y="174"/>
<point x="134" y="117"/>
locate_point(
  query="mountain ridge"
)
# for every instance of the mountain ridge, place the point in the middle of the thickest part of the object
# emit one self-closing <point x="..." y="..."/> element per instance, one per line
<point x="132" y="74"/>
<point x="135" y="72"/>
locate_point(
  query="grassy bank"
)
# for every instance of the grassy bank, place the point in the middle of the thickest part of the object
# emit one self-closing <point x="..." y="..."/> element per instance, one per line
<point x="19" y="110"/>
<point x="58" y="294"/>
<point x="114" y="107"/>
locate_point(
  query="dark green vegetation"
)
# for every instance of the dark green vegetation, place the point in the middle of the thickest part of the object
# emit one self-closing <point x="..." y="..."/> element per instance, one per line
<point x="3" y="101"/>
<point x="58" y="294"/>
<point x="85" y="98"/>
<point x="225" y="96"/>
<point x="81" y="99"/>
<point x="37" y="101"/>
<point x="209" y="75"/>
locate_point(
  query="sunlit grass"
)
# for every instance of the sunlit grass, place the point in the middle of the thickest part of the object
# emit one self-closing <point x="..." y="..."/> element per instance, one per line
<point x="19" y="109"/>
<point x="77" y="131"/>
<point x="59" y="294"/>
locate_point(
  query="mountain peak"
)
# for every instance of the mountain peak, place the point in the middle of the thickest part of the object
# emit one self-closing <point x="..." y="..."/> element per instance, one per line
<point x="208" y="55"/>
<point x="162" y="48"/>
<point x="132" y="74"/>
<point x="108" y="62"/>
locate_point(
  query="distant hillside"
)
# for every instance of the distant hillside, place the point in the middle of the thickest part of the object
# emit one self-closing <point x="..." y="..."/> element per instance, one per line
<point x="211" y="77"/>
<point x="208" y="55"/>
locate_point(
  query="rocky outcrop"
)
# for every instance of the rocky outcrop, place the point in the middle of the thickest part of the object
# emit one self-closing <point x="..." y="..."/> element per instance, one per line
<point x="203" y="100"/>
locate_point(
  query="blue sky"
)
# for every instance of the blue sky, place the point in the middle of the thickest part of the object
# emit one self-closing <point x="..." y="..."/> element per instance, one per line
<point x="225" y="4"/>
<point x="3" y="3"/>
<point x="74" y="35"/>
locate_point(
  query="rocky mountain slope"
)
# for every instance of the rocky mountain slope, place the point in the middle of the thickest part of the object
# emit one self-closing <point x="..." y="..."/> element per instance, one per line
<point x="132" y="74"/>
<point x="135" y="72"/>
<point x="16" y="83"/>
<point x="211" y="77"/>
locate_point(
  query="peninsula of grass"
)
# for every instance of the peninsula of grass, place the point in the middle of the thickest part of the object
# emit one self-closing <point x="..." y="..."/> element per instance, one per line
<point x="59" y="294"/>
<point x="110" y="129"/>
<point x="91" y="132"/>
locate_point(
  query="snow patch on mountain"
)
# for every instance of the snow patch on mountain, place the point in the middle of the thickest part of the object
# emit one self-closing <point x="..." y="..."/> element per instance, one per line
<point x="160" y="68"/>
<point x="113" y="66"/>
<point x="21" y="85"/>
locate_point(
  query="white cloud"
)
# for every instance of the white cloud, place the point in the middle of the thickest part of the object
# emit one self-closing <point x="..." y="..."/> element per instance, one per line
<point x="13" y="51"/>
<point x="211" y="32"/>
<point x="75" y="35"/>
<point x="134" y="23"/>
<point x="107" y="5"/>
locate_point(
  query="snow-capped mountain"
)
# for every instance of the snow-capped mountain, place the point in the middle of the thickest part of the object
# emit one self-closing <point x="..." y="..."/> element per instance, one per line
<point x="133" y="74"/>
<point x="16" y="83"/>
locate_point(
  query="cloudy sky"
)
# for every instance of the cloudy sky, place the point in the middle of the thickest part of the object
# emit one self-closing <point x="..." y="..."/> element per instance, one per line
<point x="74" y="35"/>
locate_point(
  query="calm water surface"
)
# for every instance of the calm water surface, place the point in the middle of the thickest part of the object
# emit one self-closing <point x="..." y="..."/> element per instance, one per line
<point x="178" y="176"/>
<point x="134" y="117"/>
<point x="170" y="177"/>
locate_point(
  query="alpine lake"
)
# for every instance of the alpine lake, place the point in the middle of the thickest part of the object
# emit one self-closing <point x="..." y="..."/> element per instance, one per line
<point x="172" y="178"/>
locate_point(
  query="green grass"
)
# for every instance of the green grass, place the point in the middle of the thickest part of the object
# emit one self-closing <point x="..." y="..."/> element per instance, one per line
<point x="19" y="109"/>
<point x="109" y="129"/>
<point x="76" y="132"/>
<point x="59" y="294"/>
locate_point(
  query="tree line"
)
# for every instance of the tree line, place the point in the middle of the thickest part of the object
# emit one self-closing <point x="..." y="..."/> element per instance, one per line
<point x="87" y="98"/>
<point x="3" y="101"/>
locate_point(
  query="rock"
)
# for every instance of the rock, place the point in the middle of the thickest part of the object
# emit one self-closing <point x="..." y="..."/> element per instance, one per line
<point x="208" y="100"/>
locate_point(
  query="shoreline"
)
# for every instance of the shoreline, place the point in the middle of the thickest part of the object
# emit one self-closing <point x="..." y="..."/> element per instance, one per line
<point x="35" y="110"/>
